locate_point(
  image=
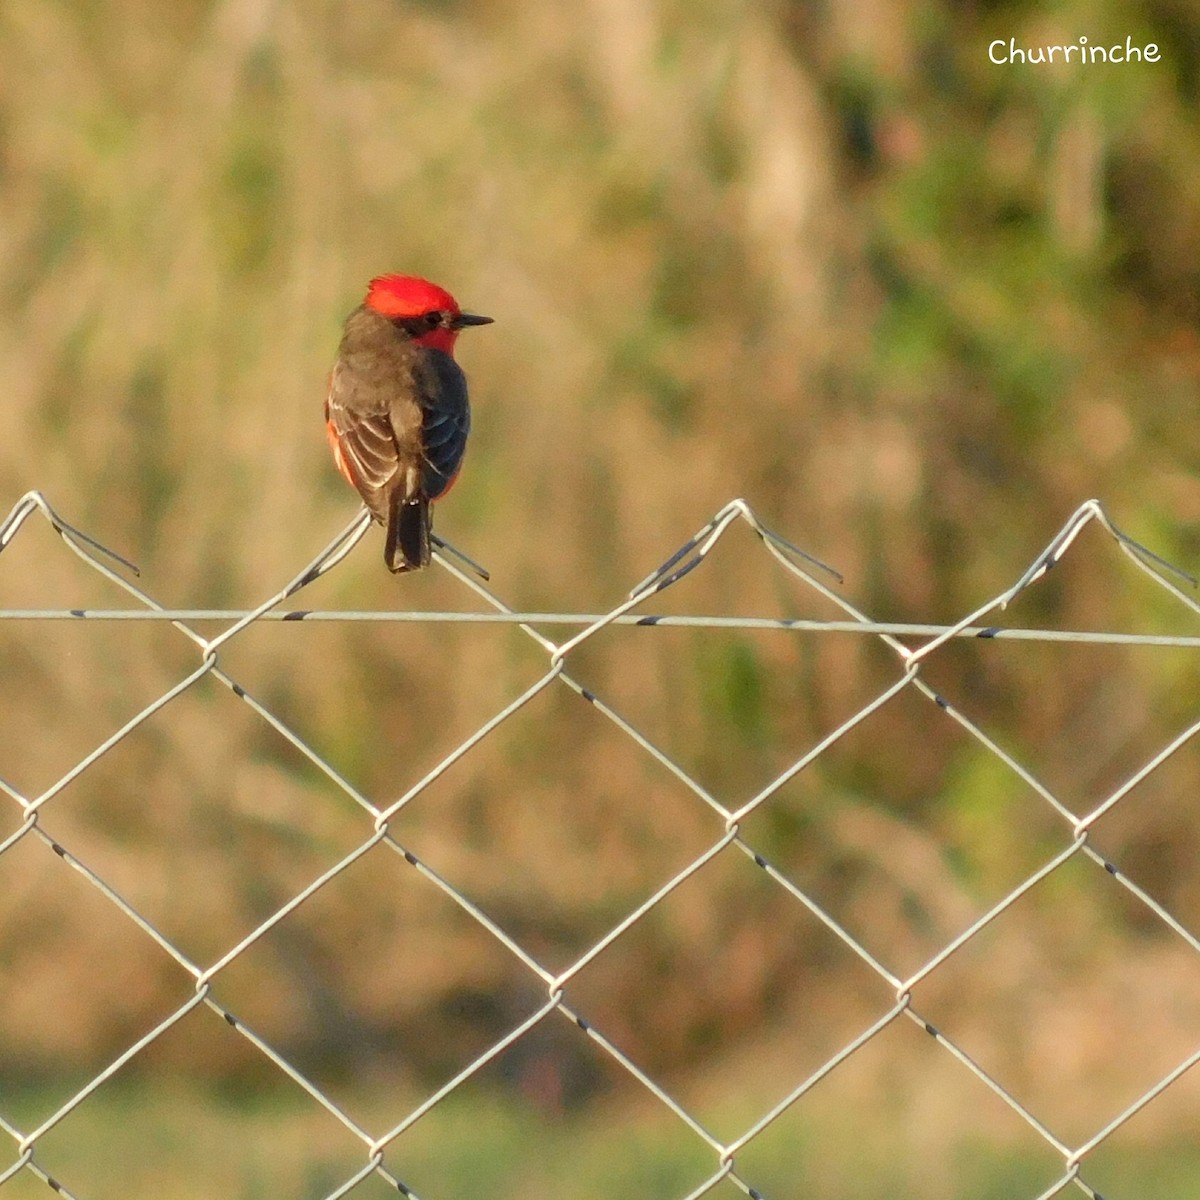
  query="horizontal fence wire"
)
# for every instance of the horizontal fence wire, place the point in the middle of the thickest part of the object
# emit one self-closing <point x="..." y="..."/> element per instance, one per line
<point x="1007" y="633"/>
<point x="380" y="1149"/>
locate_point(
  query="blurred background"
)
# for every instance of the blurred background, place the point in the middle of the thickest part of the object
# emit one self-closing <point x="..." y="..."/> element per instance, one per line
<point x="914" y="306"/>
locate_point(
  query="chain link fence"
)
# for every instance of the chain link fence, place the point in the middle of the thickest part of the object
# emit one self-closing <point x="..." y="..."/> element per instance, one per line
<point x="910" y="646"/>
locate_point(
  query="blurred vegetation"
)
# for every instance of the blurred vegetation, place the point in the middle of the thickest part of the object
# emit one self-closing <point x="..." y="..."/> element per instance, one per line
<point x="914" y="306"/>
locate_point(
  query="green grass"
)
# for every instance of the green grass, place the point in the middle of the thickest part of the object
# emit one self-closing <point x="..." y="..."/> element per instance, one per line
<point x="182" y="1142"/>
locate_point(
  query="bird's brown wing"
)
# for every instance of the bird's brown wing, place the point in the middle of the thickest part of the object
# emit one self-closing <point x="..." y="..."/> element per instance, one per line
<point x="364" y="445"/>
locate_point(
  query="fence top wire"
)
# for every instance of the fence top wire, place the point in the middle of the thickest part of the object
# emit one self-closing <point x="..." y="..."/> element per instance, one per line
<point x="684" y="560"/>
<point x="728" y="835"/>
<point x="1006" y="633"/>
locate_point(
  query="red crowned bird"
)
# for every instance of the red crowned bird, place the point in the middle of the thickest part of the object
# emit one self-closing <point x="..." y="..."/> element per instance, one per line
<point x="397" y="415"/>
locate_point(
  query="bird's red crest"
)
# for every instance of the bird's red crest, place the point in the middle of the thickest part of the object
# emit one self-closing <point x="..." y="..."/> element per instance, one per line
<point x="407" y="296"/>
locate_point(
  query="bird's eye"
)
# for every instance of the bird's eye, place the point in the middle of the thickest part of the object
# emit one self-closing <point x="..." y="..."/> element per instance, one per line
<point x="433" y="319"/>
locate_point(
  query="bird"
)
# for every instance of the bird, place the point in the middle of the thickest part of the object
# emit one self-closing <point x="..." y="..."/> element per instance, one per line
<point x="396" y="413"/>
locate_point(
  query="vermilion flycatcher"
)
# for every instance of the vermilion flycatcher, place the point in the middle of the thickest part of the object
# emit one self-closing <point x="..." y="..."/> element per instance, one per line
<point x="397" y="414"/>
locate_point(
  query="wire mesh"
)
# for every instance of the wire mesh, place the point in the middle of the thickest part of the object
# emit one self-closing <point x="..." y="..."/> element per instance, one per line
<point x="911" y="646"/>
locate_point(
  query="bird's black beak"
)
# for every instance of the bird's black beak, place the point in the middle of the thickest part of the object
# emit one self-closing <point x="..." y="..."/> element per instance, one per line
<point x="464" y="319"/>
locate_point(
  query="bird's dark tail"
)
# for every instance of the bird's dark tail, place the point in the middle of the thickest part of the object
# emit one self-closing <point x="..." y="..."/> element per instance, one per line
<point x="407" y="546"/>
